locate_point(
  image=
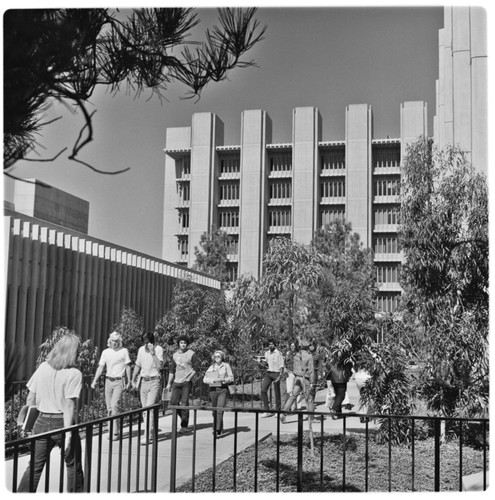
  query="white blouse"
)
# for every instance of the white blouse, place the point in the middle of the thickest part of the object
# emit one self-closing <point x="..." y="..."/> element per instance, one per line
<point x="225" y="374"/>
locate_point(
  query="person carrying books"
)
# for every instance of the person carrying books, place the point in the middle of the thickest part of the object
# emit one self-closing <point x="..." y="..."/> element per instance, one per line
<point x="218" y="377"/>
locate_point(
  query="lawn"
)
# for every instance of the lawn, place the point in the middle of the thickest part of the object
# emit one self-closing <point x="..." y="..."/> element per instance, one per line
<point x="330" y="479"/>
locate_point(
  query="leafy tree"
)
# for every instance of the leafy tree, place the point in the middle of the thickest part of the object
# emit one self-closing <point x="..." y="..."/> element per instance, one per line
<point x="211" y="257"/>
<point x="347" y="291"/>
<point x="131" y="327"/>
<point x="444" y="235"/>
<point x="64" y="54"/>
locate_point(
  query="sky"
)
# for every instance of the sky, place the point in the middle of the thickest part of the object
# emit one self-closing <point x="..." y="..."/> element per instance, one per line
<point x="327" y="57"/>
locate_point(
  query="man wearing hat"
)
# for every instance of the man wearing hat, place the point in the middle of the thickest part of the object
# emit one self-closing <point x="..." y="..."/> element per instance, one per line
<point x="118" y="374"/>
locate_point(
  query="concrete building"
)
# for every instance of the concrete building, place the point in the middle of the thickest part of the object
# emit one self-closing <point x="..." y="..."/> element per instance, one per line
<point x="461" y="89"/>
<point x="258" y="189"/>
<point x="52" y="205"/>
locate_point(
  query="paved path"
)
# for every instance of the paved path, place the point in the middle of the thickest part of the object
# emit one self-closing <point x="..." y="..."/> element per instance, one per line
<point x="119" y="466"/>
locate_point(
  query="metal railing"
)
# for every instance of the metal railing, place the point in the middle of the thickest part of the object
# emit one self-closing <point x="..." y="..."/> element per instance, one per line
<point x="108" y="465"/>
<point x="126" y="466"/>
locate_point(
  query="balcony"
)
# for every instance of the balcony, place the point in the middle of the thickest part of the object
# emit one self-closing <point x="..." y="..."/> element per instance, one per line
<point x="389" y="257"/>
<point x="228" y="203"/>
<point x="229" y="176"/>
<point x="386" y="228"/>
<point x="229" y="230"/>
<point x="332" y="200"/>
<point x="392" y="198"/>
<point x="279" y="230"/>
<point x="276" y="202"/>
<point x="333" y="172"/>
<point x="280" y="174"/>
<point x="389" y="287"/>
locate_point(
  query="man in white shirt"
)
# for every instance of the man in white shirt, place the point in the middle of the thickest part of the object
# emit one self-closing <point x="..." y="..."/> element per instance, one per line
<point x="274" y="372"/>
<point x="148" y="365"/>
<point x="118" y="376"/>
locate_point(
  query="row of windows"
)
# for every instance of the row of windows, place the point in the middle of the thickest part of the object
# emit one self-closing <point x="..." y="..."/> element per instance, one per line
<point x="233" y="271"/>
<point x="387" y="303"/>
<point x="185" y="165"/>
<point x="281" y="162"/>
<point x="183" y="219"/>
<point x="386" y="157"/>
<point x="228" y="219"/>
<point x="232" y="246"/>
<point x="184" y="191"/>
<point x="230" y="164"/>
<point x="387" y="274"/>
<point x="330" y="189"/>
<point x="229" y="191"/>
<point x="278" y="218"/>
<point x="333" y="159"/>
<point x="329" y="215"/>
<point x="280" y="190"/>
<point x="387" y="244"/>
<point x="387" y="187"/>
<point x="387" y="216"/>
<point x="183" y="246"/>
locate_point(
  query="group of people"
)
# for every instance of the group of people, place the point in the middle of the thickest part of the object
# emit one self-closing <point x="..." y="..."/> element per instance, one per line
<point x="304" y="367"/>
<point x="56" y="385"/>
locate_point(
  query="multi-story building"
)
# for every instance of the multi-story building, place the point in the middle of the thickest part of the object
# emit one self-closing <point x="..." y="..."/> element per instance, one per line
<point x="259" y="189"/>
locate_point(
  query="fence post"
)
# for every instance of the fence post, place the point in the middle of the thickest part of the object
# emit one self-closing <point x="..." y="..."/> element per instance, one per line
<point x="437" y="454"/>
<point x="173" y="451"/>
<point x="299" y="451"/>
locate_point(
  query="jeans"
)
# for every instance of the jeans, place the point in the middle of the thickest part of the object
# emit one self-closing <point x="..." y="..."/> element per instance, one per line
<point x="43" y="447"/>
<point x="150" y="394"/>
<point x="180" y="394"/>
<point x="339" y="396"/>
<point x="265" y="384"/>
<point x="113" y="395"/>
<point x="218" y="396"/>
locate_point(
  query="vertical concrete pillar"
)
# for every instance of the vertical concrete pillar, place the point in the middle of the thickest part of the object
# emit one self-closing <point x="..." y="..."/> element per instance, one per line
<point x="255" y="134"/>
<point x="413" y="123"/>
<point x="206" y="128"/>
<point x="461" y="75"/>
<point x="176" y="138"/>
<point x="448" y="126"/>
<point x="358" y="162"/>
<point x="306" y="132"/>
<point x="479" y="88"/>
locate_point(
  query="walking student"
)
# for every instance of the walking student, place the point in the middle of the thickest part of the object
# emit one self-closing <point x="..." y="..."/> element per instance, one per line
<point x="339" y="374"/>
<point x="182" y="370"/>
<point x="115" y="359"/>
<point x="148" y="366"/>
<point x="218" y="377"/>
<point x="273" y="374"/>
<point x="54" y="389"/>
<point x="305" y="379"/>
<point x="289" y="371"/>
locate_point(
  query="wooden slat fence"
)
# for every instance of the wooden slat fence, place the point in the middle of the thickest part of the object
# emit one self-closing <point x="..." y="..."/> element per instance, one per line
<point x="58" y="278"/>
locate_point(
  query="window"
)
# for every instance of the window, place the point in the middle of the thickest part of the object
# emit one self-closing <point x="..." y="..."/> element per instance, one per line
<point x="387" y="216"/>
<point x="280" y="190"/>
<point x="387" y="187"/>
<point x="186" y="166"/>
<point x="332" y="189"/>
<point x="387" y="303"/>
<point x="387" y="244"/>
<point x="333" y="159"/>
<point x="232" y="246"/>
<point x="388" y="274"/>
<point x="329" y="215"/>
<point x="228" y="219"/>
<point x="233" y="270"/>
<point x="279" y="218"/>
<point x="184" y="219"/>
<point x="230" y="164"/>
<point x="386" y="156"/>
<point x="281" y="162"/>
<point x="184" y="191"/>
<point x="183" y="244"/>
<point x="229" y="191"/>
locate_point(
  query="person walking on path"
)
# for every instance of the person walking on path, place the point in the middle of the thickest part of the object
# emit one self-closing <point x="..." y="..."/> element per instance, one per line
<point x="53" y="389"/>
<point x="289" y="370"/>
<point x="273" y="374"/>
<point x="339" y="374"/>
<point x="148" y="367"/>
<point x="305" y="379"/>
<point x="218" y="376"/>
<point x="182" y="370"/>
<point x="115" y="358"/>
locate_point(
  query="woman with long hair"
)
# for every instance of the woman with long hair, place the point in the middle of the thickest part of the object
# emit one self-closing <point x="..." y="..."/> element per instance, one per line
<point x="54" y="389"/>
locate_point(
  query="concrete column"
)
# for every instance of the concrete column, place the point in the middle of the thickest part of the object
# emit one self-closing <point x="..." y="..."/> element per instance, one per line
<point x="358" y="162"/>
<point x="306" y="132"/>
<point x="255" y="134"/>
<point x="448" y="124"/>
<point x="207" y="129"/>
<point x="413" y="123"/>
<point x="479" y="88"/>
<point x="175" y="138"/>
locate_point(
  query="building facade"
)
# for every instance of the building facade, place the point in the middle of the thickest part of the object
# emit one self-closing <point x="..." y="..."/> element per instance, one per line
<point x="259" y="190"/>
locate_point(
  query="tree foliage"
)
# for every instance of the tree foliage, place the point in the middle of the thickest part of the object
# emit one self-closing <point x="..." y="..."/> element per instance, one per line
<point x="212" y="255"/>
<point x="131" y="327"/>
<point x="64" y="54"/>
<point x="444" y="235"/>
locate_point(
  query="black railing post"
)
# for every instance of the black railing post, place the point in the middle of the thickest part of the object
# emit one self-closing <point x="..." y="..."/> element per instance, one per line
<point x="484" y="455"/>
<point x="437" y="454"/>
<point x="299" y="452"/>
<point x="344" y="422"/>
<point x="173" y="451"/>
<point x="235" y="449"/>
<point x="88" y="458"/>
<point x="413" y="458"/>
<point x="154" y="465"/>
<point x="460" y="454"/>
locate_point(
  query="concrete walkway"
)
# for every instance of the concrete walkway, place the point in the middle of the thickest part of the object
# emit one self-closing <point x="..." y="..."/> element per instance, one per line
<point x="125" y="466"/>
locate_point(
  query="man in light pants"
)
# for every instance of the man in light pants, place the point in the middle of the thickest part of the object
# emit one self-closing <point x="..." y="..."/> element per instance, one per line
<point x="148" y="365"/>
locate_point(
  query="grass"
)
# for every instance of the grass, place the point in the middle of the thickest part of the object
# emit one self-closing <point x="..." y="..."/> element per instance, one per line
<point x="329" y="477"/>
